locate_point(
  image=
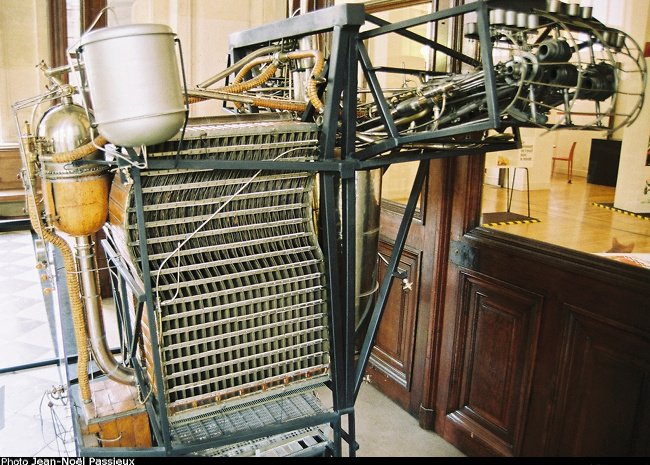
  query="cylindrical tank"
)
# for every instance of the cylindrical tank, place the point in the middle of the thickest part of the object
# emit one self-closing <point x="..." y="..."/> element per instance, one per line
<point x="367" y="214"/>
<point x="368" y="209"/>
<point x="134" y="83"/>
<point x="76" y="195"/>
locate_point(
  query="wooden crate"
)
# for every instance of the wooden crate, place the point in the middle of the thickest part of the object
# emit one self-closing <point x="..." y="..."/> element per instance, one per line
<point x="115" y="418"/>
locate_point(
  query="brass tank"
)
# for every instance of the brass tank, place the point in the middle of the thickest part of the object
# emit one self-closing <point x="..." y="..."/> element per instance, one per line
<point x="75" y="193"/>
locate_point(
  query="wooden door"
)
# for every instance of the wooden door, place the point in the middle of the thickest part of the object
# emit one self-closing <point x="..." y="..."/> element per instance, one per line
<point x="404" y="359"/>
<point x="543" y="351"/>
<point x="391" y="361"/>
<point x="391" y="367"/>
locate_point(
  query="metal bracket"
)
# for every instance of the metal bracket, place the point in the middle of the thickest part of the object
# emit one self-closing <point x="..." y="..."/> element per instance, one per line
<point x="399" y="273"/>
<point x="463" y="255"/>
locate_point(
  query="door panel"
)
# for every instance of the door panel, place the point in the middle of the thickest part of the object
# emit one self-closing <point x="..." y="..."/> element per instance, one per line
<point x="604" y="386"/>
<point x="497" y="329"/>
<point x="405" y="357"/>
<point x="391" y="362"/>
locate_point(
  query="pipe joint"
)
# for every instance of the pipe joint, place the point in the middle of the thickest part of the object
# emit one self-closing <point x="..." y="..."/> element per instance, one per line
<point x="280" y="58"/>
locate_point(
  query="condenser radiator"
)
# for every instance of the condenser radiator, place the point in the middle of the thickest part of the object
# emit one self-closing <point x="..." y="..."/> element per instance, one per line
<point x="235" y="268"/>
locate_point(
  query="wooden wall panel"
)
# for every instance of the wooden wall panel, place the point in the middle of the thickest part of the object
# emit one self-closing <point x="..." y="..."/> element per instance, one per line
<point x="496" y="330"/>
<point x="10" y="166"/>
<point x="391" y="362"/>
<point x="585" y="383"/>
<point x="604" y="389"/>
<point x="12" y="192"/>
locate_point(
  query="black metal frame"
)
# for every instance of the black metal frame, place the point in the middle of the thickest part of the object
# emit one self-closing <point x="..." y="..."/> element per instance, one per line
<point x="337" y="175"/>
<point x="348" y="52"/>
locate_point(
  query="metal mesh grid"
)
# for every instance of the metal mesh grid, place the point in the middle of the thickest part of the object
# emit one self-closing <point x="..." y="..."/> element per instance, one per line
<point x="254" y="415"/>
<point x="236" y="269"/>
<point x="293" y="443"/>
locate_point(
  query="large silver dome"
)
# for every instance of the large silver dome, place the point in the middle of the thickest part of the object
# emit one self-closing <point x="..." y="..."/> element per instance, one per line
<point x="64" y="127"/>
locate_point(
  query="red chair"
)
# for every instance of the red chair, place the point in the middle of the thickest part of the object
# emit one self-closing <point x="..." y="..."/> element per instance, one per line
<point x="569" y="161"/>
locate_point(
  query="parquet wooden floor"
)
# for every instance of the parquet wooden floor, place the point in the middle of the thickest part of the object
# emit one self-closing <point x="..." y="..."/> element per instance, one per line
<point x="568" y="217"/>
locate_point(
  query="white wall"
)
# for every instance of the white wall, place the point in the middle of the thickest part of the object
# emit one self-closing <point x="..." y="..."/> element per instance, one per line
<point x="23" y="44"/>
<point x="203" y="27"/>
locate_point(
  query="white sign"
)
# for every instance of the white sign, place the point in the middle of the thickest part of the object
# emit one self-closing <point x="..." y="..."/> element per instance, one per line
<point x="521" y="158"/>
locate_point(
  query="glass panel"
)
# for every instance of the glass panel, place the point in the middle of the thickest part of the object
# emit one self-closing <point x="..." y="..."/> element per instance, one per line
<point x="579" y="215"/>
<point x="395" y="52"/>
<point x="584" y="190"/>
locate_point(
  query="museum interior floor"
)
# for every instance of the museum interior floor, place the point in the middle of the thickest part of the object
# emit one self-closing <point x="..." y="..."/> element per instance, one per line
<point x="576" y="215"/>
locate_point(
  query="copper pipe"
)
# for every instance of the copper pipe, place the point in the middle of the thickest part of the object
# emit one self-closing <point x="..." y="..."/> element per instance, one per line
<point x="278" y="104"/>
<point x="79" y="152"/>
<point x="237" y="66"/>
<point x="195" y="96"/>
<point x="238" y="86"/>
<point x="312" y="91"/>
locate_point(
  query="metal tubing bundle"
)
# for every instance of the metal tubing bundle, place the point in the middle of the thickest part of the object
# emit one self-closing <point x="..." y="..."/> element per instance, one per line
<point x="236" y="269"/>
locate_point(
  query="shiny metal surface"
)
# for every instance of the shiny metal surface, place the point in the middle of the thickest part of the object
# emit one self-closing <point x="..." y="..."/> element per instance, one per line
<point x="90" y="295"/>
<point x="64" y="127"/>
<point x="75" y="191"/>
<point x="368" y="209"/>
<point x="134" y="82"/>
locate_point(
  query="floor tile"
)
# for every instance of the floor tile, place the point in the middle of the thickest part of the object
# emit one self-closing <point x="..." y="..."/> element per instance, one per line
<point x="12" y="304"/>
<point x="15" y="327"/>
<point x="18" y="354"/>
<point x="33" y="311"/>
<point x="39" y="336"/>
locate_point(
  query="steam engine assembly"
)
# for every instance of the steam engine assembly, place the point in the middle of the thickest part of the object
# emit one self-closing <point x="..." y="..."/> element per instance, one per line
<point x="240" y="246"/>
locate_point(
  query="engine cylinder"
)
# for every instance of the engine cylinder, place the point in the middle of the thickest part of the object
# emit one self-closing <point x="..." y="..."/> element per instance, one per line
<point x="554" y="50"/>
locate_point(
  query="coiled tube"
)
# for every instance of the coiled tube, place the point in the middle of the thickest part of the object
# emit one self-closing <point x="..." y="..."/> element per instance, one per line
<point x="239" y="85"/>
<point x="79" y="152"/>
